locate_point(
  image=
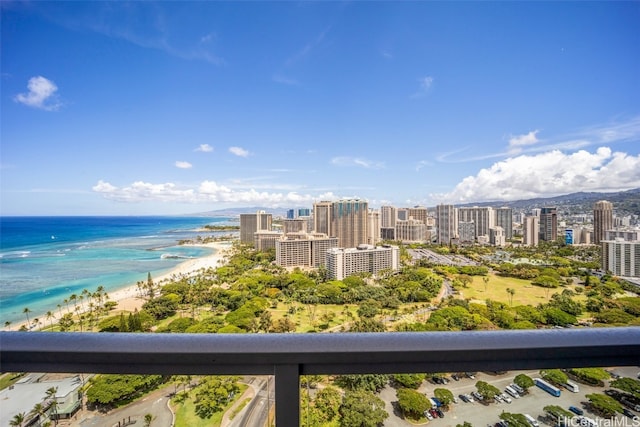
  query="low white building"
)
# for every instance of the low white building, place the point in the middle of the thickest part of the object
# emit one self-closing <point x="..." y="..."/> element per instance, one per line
<point x="343" y="262"/>
<point x="29" y="391"/>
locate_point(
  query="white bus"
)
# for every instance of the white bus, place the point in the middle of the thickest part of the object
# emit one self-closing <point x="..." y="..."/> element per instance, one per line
<point x="571" y="386"/>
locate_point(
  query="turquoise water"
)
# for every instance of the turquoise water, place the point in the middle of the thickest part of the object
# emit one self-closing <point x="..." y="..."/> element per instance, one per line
<point x="43" y="260"/>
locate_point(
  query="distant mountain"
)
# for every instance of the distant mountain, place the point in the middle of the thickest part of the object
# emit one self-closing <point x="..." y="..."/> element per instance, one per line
<point x="623" y="201"/>
<point x="234" y="212"/>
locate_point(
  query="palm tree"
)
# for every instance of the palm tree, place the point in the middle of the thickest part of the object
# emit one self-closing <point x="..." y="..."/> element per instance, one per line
<point x="511" y="293"/>
<point x="26" y="311"/>
<point x="147" y="420"/>
<point x="51" y="396"/>
<point x="38" y="411"/>
<point x="74" y="298"/>
<point x="485" y="279"/>
<point x="7" y="324"/>
<point x="50" y="317"/>
<point x="18" y="419"/>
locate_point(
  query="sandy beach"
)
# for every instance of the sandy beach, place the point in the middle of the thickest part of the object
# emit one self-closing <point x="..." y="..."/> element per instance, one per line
<point x="128" y="298"/>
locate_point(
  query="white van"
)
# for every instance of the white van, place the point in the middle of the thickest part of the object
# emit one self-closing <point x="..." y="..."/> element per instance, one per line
<point x="531" y="420"/>
<point x="571" y="386"/>
<point x="512" y="392"/>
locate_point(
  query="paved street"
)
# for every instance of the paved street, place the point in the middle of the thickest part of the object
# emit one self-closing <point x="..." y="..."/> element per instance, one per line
<point x="155" y="403"/>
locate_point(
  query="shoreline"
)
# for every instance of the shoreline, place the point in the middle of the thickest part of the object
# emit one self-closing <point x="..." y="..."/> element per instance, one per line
<point x="128" y="297"/>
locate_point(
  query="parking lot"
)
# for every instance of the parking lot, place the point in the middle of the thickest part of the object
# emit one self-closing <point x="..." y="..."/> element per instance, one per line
<point x="479" y="414"/>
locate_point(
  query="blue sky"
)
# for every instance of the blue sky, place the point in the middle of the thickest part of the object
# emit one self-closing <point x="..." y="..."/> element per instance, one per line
<point x="119" y="108"/>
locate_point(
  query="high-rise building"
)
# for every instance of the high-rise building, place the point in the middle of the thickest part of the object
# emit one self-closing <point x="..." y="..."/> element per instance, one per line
<point x="411" y="230"/>
<point x="419" y="213"/>
<point x="602" y="220"/>
<point x="304" y="250"/>
<point x="373" y="227"/>
<point x="531" y="230"/>
<point x="624" y="234"/>
<point x="349" y="220"/>
<point x="548" y="224"/>
<point x="304" y="212"/>
<point x="504" y="219"/>
<point x="388" y="216"/>
<point x="466" y="231"/>
<point x="621" y="257"/>
<point x="294" y="225"/>
<point x="265" y="239"/>
<point x="322" y="217"/>
<point x="250" y="223"/>
<point x="402" y="214"/>
<point x="482" y="217"/>
<point x="446" y="223"/>
<point x="344" y="262"/>
<point x="290" y="214"/>
<point x="497" y="236"/>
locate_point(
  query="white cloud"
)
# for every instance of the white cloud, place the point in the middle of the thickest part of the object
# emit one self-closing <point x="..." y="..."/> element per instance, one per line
<point x="183" y="165"/>
<point x="547" y="174"/>
<point x="526" y="139"/>
<point x="238" y="151"/>
<point x="205" y="192"/>
<point x="421" y="164"/>
<point x="41" y="95"/>
<point x="425" y="85"/>
<point x="356" y="161"/>
<point x="205" y="148"/>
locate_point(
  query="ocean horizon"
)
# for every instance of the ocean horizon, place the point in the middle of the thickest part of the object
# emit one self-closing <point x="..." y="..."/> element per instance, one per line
<point x="46" y="259"/>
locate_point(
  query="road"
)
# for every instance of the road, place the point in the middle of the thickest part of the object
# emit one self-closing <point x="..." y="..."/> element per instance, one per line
<point x="155" y="403"/>
<point x="256" y="412"/>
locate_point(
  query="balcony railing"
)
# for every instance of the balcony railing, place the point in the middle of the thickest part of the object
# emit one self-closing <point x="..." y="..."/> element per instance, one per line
<point x="287" y="356"/>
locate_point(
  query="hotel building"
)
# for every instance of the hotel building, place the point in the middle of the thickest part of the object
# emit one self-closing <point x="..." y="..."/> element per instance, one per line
<point x="303" y="250"/>
<point x="531" y="230"/>
<point x="621" y="257"/>
<point x="446" y="223"/>
<point x="548" y="224"/>
<point x="344" y="262"/>
<point x="250" y="223"/>
<point x="602" y="220"/>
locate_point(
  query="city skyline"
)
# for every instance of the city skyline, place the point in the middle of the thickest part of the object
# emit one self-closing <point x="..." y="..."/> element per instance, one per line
<point x="174" y="108"/>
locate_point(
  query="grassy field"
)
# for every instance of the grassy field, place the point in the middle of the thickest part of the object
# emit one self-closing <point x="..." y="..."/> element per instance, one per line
<point x="496" y="290"/>
<point x="315" y="317"/>
<point x="186" y="413"/>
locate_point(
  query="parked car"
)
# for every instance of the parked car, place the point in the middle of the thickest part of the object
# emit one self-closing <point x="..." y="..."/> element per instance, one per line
<point x="440" y="413"/>
<point x="470" y="375"/>
<point x="463" y="397"/>
<point x="470" y="398"/>
<point x="428" y="415"/>
<point x="498" y="398"/>
<point x="455" y="399"/>
<point x="455" y="377"/>
<point x="576" y="410"/>
<point x="506" y="397"/>
<point x="477" y="396"/>
<point x="433" y="413"/>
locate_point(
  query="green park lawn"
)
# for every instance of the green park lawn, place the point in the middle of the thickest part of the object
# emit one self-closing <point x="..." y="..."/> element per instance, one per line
<point x="496" y="290"/>
<point x="186" y="412"/>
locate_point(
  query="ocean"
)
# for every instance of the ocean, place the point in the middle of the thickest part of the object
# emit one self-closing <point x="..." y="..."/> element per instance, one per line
<point x="43" y="260"/>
